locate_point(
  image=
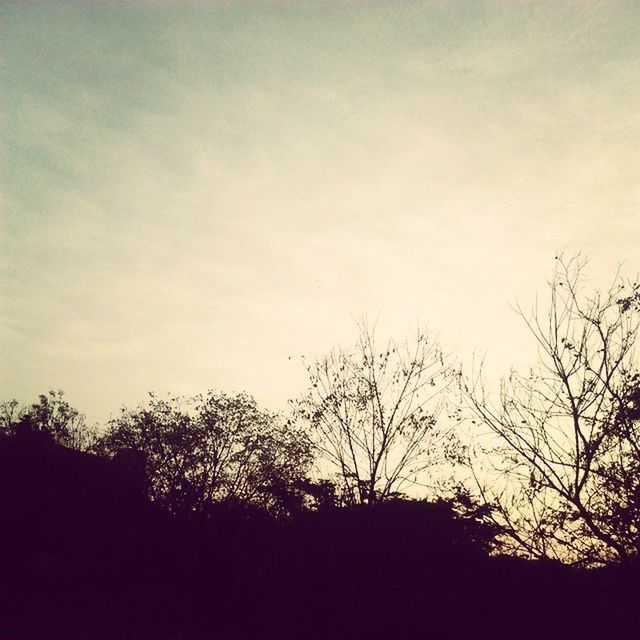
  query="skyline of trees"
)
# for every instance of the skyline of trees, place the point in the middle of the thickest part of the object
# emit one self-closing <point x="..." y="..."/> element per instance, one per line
<point x="558" y="477"/>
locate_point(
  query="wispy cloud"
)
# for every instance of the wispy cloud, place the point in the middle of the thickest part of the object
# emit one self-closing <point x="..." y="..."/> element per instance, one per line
<point x="194" y="193"/>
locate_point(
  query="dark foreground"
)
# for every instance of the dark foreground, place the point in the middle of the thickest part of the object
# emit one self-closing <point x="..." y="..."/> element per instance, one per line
<point x="85" y="556"/>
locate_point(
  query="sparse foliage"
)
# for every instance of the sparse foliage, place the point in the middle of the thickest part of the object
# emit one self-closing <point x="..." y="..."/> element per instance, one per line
<point x="372" y="412"/>
<point x="568" y="433"/>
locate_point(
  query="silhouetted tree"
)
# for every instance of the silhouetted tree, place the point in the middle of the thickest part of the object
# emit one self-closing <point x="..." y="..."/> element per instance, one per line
<point x="568" y="430"/>
<point x="372" y="413"/>
<point x="213" y="448"/>
<point x="52" y="416"/>
<point x="619" y="470"/>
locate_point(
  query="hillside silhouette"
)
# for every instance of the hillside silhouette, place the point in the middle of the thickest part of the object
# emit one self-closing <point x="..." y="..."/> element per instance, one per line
<point x="85" y="554"/>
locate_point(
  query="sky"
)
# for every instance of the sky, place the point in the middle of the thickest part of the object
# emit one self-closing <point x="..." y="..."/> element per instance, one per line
<point x="196" y="194"/>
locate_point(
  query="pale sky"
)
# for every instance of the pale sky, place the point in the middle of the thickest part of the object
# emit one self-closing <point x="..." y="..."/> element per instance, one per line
<point x="192" y="193"/>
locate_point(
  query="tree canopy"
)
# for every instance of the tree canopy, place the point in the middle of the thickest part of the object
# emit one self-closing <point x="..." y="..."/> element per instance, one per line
<point x="51" y="417"/>
<point x="210" y="449"/>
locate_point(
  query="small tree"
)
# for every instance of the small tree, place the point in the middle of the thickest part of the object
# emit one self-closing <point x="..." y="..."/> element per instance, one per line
<point x="372" y="413"/>
<point x="52" y="416"/>
<point x="568" y="430"/>
<point x="210" y="449"/>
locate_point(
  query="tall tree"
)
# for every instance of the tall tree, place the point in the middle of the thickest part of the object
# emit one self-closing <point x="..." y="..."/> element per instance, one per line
<point x="568" y="430"/>
<point x="372" y="412"/>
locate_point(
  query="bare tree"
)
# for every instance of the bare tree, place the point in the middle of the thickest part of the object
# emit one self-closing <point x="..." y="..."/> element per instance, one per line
<point x="567" y="432"/>
<point x="373" y="410"/>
